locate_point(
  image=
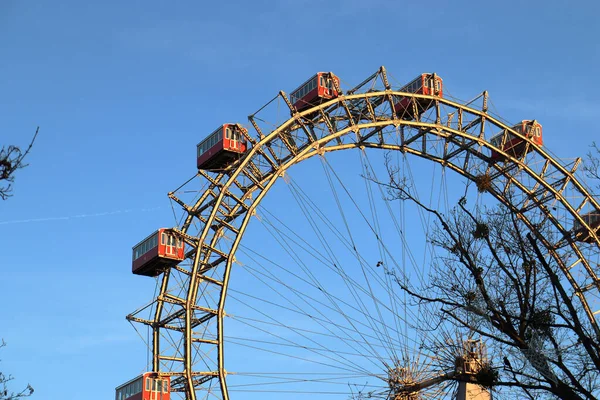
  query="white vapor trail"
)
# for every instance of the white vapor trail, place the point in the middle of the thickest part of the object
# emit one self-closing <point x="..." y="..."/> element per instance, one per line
<point x="100" y="214"/>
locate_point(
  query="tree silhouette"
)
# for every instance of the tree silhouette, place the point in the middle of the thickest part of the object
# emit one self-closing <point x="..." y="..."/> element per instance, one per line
<point x="491" y="279"/>
<point x="5" y="393"/>
<point x="592" y="164"/>
<point x="12" y="158"/>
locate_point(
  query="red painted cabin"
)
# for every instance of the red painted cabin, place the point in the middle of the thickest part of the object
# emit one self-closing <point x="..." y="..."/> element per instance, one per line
<point x="315" y="91"/>
<point x="422" y="84"/>
<point x="581" y="233"/>
<point x="157" y="252"/>
<point x="221" y="147"/>
<point x="514" y="145"/>
<point x="148" y="386"/>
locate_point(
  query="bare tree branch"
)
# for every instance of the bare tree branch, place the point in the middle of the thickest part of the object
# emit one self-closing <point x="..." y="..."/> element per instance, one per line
<point x="491" y="279"/>
<point x="5" y="393"/>
<point x="591" y="167"/>
<point x="12" y="158"/>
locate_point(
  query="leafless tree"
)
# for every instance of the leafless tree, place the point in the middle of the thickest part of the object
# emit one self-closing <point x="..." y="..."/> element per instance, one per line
<point x="491" y="279"/>
<point x="592" y="164"/>
<point x="5" y="393"/>
<point x="12" y="158"/>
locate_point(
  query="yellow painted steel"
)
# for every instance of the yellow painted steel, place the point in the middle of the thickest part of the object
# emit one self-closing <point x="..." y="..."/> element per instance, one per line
<point x="226" y="188"/>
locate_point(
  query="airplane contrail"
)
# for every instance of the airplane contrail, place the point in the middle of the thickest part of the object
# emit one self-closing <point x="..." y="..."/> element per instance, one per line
<point x="100" y="214"/>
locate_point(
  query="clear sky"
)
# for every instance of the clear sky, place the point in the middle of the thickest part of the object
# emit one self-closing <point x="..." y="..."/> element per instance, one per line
<point x="123" y="91"/>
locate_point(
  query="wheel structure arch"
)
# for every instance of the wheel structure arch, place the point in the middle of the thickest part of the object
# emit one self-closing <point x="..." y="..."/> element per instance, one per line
<point x="450" y="134"/>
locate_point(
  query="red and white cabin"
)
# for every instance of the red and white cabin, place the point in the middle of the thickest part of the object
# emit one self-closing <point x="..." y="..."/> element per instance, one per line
<point x="148" y="386"/>
<point x="422" y="84"/>
<point x="514" y="145"/>
<point x="225" y="144"/>
<point x="318" y="89"/>
<point x="581" y="233"/>
<point x="160" y="250"/>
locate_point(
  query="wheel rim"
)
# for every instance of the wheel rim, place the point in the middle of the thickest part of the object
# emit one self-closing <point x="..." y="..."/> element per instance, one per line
<point x="450" y="134"/>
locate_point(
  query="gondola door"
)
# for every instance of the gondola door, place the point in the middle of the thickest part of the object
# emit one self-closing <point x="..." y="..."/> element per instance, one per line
<point x="325" y="85"/>
<point x="432" y="90"/>
<point x="154" y="389"/>
<point x="234" y="139"/>
<point x="170" y="244"/>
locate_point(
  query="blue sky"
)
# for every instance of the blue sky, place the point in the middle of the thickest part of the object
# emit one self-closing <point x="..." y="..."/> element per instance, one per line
<point x="123" y="91"/>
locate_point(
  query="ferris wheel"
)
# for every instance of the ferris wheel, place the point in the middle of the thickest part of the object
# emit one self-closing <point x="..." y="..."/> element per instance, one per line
<point x="282" y="275"/>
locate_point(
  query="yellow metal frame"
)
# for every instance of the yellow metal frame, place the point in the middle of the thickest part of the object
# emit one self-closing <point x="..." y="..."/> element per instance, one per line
<point x="226" y="207"/>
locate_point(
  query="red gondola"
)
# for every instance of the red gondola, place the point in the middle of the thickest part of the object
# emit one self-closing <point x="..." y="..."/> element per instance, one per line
<point x="148" y="386"/>
<point x="318" y="89"/>
<point x="160" y="250"/>
<point x="514" y="145"/>
<point x="221" y="147"/>
<point x="422" y="84"/>
<point x="581" y="233"/>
